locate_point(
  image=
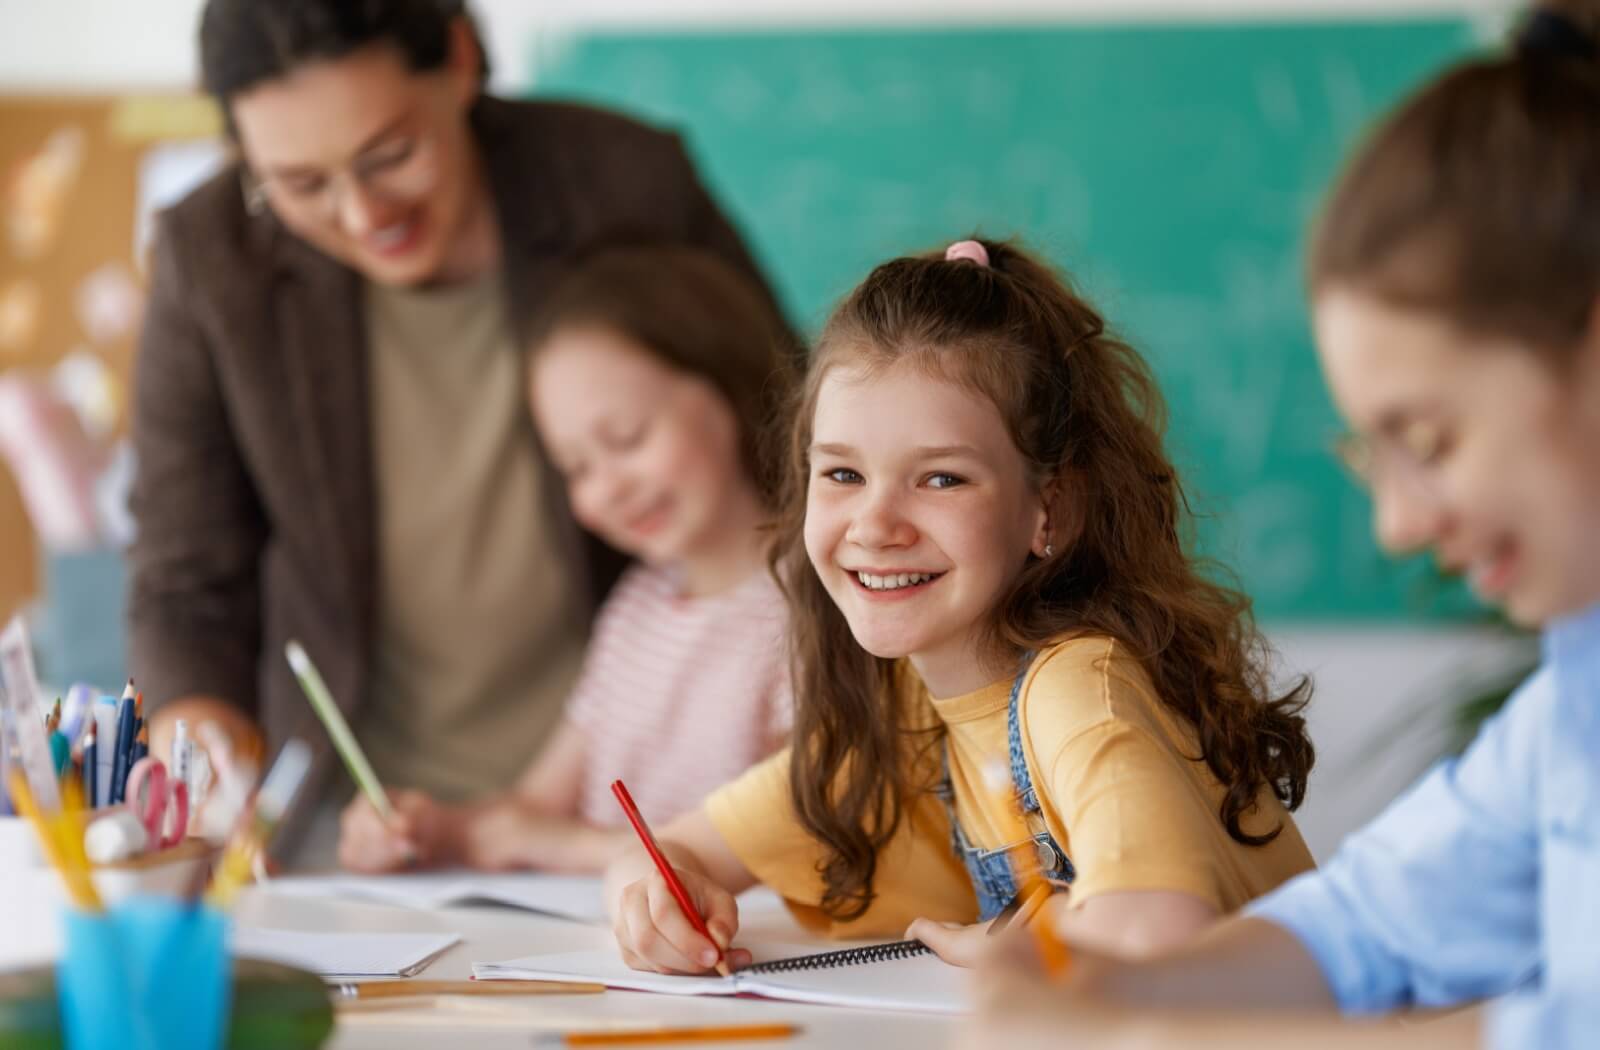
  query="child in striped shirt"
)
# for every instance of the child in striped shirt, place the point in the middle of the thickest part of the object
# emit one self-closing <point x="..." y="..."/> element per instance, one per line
<point x="653" y="376"/>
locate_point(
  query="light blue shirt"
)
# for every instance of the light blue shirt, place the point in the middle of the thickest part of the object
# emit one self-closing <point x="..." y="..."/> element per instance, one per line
<point x="1483" y="879"/>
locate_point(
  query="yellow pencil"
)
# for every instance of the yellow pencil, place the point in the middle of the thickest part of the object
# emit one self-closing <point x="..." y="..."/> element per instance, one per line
<point x="61" y="838"/>
<point x="72" y="829"/>
<point x="367" y="990"/>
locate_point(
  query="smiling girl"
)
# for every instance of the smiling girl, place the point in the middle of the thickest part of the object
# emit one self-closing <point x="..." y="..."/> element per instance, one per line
<point x="983" y="546"/>
<point x="654" y="374"/>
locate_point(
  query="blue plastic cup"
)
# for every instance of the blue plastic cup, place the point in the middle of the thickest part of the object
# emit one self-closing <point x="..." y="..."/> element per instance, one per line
<point x="149" y="974"/>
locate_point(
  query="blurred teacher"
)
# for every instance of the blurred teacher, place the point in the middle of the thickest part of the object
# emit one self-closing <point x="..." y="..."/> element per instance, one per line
<point x="328" y="416"/>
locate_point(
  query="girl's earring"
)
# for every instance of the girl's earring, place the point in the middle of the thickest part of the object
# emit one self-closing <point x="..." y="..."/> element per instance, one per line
<point x="1049" y="550"/>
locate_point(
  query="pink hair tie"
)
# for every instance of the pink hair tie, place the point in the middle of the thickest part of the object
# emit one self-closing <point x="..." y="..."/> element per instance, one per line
<point x="969" y="250"/>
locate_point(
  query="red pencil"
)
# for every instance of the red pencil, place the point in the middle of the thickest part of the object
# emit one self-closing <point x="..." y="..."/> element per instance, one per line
<point x="690" y="912"/>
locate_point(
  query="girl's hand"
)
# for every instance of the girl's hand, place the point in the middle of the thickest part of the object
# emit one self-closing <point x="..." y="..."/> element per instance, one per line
<point x="654" y="934"/>
<point x="420" y="835"/>
<point x="1019" y="1007"/>
<point x="501" y="836"/>
<point x="955" y="943"/>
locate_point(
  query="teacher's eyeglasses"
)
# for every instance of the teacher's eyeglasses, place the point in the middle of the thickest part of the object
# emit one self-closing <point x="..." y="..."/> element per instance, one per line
<point x="398" y="169"/>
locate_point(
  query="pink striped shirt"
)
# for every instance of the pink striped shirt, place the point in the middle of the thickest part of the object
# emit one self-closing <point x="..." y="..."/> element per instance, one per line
<point x="679" y="695"/>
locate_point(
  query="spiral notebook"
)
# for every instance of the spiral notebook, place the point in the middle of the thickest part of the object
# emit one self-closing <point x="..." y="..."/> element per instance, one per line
<point x="902" y="975"/>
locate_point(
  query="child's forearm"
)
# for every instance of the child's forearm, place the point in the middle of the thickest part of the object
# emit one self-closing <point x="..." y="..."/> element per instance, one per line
<point x="1461" y="1030"/>
<point x="1239" y="963"/>
<point x="1248" y="983"/>
<point x="570" y="848"/>
<point x="553" y="844"/>
<point x="507" y="833"/>
<point x="1068" y="1023"/>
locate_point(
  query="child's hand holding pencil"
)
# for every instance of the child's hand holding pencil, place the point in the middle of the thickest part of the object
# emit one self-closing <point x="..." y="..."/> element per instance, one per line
<point x="349" y="751"/>
<point x="966" y="945"/>
<point x="419" y="832"/>
<point x="673" y="920"/>
<point x="655" y="934"/>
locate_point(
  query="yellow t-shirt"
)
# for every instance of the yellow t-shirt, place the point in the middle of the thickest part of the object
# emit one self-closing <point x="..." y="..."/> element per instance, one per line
<point x="1118" y="781"/>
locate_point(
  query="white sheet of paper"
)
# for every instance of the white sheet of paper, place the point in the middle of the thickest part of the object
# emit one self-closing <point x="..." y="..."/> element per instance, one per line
<point x="605" y="966"/>
<point x="343" y="954"/>
<point x="568" y="896"/>
<point x="921" y="984"/>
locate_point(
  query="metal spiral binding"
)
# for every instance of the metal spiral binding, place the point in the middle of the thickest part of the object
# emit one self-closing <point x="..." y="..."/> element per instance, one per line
<point x="845" y="957"/>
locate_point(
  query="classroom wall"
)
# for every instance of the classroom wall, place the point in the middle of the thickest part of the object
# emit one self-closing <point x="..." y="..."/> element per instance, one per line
<point x="1377" y="701"/>
<point x="87" y="45"/>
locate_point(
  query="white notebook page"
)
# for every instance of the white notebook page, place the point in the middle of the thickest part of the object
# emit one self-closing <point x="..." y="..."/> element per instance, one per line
<point x="343" y="954"/>
<point x="921" y="983"/>
<point x="568" y="896"/>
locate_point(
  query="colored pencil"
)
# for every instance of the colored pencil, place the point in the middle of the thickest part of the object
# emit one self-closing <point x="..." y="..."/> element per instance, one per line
<point x="716" y="1034"/>
<point x="690" y="912"/>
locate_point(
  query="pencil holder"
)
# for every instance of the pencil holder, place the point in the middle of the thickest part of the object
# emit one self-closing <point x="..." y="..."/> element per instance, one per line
<point x="149" y="974"/>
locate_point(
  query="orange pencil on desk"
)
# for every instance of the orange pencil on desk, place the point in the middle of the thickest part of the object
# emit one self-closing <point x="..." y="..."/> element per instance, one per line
<point x="719" y="1034"/>
<point x="690" y="912"/>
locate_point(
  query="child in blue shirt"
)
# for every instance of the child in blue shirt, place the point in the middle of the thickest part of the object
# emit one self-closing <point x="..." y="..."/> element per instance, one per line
<point x="1455" y="277"/>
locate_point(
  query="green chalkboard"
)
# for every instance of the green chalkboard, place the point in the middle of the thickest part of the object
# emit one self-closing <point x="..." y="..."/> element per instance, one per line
<point x="1170" y="169"/>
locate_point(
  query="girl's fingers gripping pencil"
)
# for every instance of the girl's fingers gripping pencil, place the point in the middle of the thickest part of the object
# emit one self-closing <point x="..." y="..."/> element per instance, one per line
<point x="690" y="912"/>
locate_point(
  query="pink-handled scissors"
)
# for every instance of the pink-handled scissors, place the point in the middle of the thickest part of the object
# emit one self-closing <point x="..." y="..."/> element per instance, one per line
<point x="160" y="794"/>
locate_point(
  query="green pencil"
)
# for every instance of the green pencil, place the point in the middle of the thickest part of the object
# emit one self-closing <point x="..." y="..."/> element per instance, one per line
<point x="344" y="741"/>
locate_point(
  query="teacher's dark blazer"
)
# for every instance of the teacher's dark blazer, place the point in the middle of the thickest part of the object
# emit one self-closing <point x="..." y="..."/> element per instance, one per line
<point x="254" y="490"/>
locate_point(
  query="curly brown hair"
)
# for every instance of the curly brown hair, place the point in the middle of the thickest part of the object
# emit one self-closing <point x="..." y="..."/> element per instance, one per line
<point x="1082" y="408"/>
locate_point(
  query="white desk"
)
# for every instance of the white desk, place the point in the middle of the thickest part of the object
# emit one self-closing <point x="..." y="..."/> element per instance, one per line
<point x="494" y="934"/>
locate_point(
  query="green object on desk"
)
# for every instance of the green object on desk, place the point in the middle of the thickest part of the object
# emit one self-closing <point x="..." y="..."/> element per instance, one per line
<point x="1171" y="168"/>
<point x="274" y="1008"/>
<point x="344" y="741"/>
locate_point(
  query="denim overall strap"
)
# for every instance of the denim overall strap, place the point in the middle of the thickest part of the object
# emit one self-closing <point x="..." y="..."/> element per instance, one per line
<point x="1020" y="779"/>
<point x="990" y="869"/>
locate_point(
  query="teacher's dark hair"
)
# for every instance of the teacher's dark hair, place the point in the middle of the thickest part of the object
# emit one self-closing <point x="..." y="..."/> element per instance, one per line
<point x="248" y="42"/>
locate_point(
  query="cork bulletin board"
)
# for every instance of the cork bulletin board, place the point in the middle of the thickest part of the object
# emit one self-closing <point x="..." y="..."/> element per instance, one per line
<point x="70" y="188"/>
<point x="80" y="177"/>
